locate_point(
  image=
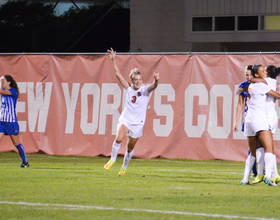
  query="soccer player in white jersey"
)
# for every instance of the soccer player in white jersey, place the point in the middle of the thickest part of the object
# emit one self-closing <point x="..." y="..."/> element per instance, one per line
<point x="132" y="119"/>
<point x="272" y="117"/>
<point x="8" y="119"/>
<point x="256" y="124"/>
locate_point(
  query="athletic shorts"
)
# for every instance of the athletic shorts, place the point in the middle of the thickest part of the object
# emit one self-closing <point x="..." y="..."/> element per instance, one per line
<point x="252" y="128"/>
<point x="9" y="128"/>
<point x="273" y="124"/>
<point x="134" y="131"/>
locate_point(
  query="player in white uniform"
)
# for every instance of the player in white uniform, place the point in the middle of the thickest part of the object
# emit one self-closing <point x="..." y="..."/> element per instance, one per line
<point x="132" y="119"/>
<point x="256" y="124"/>
<point x="272" y="117"/>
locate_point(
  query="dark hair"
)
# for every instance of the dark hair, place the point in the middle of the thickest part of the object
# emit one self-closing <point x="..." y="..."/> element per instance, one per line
<point x="255" y="69"/>
<point x="249" y="67"/>
<point x="13" y="83"/>
<point x="272" y="71"/>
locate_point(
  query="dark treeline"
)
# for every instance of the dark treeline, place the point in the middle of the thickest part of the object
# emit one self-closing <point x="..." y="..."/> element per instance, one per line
<point x="34" y="27"/>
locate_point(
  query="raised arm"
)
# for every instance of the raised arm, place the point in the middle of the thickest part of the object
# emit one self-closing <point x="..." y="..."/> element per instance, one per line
<point x="122" y="81"/>
<point x="155" y="83"/>
<point x="4" y="92"/>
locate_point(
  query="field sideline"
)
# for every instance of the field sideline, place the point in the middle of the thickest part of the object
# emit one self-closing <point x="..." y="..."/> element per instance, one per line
<point x="75" y="187"/>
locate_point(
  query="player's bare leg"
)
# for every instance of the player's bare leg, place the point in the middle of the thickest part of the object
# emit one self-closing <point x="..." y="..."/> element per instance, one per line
<point x="121" y="132"/>
<point x="128" y="154"/>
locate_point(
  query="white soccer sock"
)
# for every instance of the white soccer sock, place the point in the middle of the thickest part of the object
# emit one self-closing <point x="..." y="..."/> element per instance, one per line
<point x="275" y="171"/>
<point x="127" y="158"/>
<point x="248" y="167"/>
<point x="269" y="164"/>
<point x="115" y="150"/>
<point x="260" y="159"/>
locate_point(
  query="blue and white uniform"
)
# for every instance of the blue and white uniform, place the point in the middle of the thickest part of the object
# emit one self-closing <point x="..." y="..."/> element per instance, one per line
<point x="244" y="94"/>
<point x="8" y="117"/>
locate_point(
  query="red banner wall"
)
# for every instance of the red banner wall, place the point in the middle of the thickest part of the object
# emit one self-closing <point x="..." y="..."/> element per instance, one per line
<point x="69" y="105"/>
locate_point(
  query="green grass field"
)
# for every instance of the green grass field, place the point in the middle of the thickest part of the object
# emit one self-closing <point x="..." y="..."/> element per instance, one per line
<point x="73" y="187"/>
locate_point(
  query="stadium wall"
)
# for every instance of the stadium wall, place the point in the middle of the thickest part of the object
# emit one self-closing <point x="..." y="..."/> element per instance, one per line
<point x="70" y="104"/>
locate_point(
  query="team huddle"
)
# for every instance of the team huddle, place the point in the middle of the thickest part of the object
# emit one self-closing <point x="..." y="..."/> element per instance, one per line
<point x="260" y="122"/>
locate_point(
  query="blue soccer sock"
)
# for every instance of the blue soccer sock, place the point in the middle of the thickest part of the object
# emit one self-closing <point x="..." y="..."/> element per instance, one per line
<point x="21" y="152"/>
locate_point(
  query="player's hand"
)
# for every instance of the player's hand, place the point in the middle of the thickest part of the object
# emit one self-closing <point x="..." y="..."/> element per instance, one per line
<point x="156" y="75"/>
<point x="235" y="128"/>
<point x="112" y="53"/>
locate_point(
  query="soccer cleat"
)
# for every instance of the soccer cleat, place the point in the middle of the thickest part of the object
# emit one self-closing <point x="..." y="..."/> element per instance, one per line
<point x="24" y="165"/>
<point x="109" y="165"/>
<point x="122" y="171"/>
<point x="243" y="183"/>
<point x="276" y="179"/>
<point x="258" y="179"/>
<point x="269" y="181"/>
<point x="254" y="174"/>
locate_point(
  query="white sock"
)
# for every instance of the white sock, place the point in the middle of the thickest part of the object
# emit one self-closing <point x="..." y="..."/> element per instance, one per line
<point x="269" y="164"/>
<point x="115" y="150"/>
<point x="127" y="158"/>
<point x="248" y="167"/>
<point x="260" y="159"/>
<point x="275" y="171"/>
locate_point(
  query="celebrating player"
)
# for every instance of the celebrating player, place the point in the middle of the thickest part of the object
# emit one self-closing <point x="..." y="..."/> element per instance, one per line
<point x="256" y="125"/>
<point x="132" y="119"/>
<point x="8" y="119"/>
<point x="271" y="114"/>
<point x="242" y="100"/>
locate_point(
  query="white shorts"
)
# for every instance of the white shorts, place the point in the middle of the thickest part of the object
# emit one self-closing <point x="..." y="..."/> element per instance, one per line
<point x="252" y="128"/>
<point x="273" y="124"/>
<point x="134" y="131"/>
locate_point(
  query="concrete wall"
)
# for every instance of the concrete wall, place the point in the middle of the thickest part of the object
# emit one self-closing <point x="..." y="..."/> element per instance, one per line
<point x="165" y="26"/>
<point x="157" y="26"/>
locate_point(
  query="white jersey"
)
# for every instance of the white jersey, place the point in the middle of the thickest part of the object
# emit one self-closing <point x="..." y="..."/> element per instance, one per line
<point x="256" y="119"/>
<point x="271" y="113"/>
<point x="136" y="105"/>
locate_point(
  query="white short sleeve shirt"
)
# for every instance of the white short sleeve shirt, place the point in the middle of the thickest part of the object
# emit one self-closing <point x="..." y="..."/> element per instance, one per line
<point x="136" y="105"/>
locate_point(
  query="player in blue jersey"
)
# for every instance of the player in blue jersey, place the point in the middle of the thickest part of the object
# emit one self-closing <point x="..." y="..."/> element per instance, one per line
<point x="242" y="100"/>
<point x="8" y="119"/>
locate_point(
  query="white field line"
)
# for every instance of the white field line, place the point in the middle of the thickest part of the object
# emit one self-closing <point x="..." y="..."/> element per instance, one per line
<point x="195" y="171"/>
<point x="189" y="161"/>
<point x="82" y="207"/>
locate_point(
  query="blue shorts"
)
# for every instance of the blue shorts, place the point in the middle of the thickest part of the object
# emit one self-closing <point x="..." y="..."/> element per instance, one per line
<point x="9" y="128"/>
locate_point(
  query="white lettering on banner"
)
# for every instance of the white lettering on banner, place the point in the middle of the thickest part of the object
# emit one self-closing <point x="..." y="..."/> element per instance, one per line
<point x="163" y="110"/>
<point x="21" y="106"/>
<point x="108" y="102"/>
<point x="38" y="104"/>
<point x="238" y="134"/>
<point x="109" y="108"/>
<point x="90" y="89"/>
<point x="200" y="91"/>
<point x="214" y="130"/>
<point x="71" y="103"/>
